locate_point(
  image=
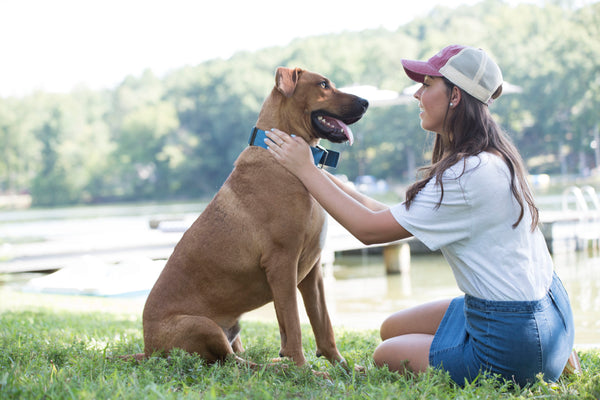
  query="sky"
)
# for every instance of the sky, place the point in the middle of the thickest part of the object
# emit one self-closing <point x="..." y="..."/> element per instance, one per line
<point x="59" y="44"/>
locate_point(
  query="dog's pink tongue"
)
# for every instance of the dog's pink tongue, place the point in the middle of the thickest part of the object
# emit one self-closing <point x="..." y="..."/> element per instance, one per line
<point x="348" y="133"/>
<point x="345" y="128"/>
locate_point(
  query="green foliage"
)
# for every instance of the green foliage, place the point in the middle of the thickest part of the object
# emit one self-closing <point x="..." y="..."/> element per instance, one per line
<point x="61" y="354"/>
<point x="177" y="136"/>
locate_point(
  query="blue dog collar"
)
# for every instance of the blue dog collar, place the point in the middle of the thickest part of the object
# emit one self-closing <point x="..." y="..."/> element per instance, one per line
<point x="321" y="155"/>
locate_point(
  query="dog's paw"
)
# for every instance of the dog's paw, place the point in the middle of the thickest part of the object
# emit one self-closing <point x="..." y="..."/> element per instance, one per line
<point x="277" y="367"/>
<point x="321" y="374"/>
<point x="351" y="368"/>
<point x="359" y="369"/>
<point x="245" y="363"/>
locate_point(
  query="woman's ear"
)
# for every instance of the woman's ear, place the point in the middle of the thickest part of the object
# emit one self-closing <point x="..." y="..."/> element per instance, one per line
<point x="455" y="96"/>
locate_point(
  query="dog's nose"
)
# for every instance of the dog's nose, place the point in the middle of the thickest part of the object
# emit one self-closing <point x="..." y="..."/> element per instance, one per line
<point x="364" y="103"/>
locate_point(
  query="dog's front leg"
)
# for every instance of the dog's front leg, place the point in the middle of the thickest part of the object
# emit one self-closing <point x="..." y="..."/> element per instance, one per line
<point x="313" y="294"/>
<point x="283" y="288"/>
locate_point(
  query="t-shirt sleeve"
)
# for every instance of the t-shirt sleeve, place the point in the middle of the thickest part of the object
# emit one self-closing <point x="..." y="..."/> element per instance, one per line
<point x="437" y="225"/>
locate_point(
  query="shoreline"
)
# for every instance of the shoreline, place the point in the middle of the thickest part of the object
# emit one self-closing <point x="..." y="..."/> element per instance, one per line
<point x="13" y="300"/>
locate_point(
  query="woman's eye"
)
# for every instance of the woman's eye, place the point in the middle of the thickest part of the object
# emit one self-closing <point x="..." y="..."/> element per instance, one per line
<point x="324" y="85"/>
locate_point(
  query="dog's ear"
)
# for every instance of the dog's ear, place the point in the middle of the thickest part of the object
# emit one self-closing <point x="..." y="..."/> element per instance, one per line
<point x="286" y="80"/>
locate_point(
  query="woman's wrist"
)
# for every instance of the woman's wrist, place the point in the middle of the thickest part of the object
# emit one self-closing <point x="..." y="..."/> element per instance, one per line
<point x="307" y="173"/>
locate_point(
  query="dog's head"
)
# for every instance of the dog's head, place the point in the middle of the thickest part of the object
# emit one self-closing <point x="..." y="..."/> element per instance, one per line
<point x="310" y="106"/>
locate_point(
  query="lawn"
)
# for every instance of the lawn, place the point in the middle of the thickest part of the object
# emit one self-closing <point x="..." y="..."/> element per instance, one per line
<point x="56" y="347"/>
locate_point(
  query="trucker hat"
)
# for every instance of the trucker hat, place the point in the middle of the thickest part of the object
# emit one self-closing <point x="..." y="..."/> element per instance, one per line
<point x="469" y="68"/>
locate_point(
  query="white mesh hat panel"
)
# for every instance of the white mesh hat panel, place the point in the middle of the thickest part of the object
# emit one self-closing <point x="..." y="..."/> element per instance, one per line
<point x="475" y="72"/>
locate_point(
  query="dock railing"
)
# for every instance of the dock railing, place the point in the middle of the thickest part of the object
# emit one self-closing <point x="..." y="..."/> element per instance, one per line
<point x="577" y="225"/>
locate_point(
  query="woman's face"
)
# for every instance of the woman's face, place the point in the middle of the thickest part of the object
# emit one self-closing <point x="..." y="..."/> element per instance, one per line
<point x="433" y="101"/>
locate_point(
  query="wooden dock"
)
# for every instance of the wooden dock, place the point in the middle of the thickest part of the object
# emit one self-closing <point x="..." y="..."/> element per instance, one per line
<point x="575" y="228"/>
<point x="396" y="255"/>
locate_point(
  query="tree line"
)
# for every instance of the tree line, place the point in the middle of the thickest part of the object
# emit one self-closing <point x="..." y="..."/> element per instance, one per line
<point x="177" y="136"/>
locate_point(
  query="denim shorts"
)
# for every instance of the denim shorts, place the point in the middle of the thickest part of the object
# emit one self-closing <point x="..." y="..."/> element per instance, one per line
<point x="515" y="339"/>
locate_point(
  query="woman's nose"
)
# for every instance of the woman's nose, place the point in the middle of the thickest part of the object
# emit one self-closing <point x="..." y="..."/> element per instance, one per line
<point x="418" y="93"/>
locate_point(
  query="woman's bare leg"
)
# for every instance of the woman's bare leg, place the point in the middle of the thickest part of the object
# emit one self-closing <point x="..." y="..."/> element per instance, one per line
<point x="407" y="337"/>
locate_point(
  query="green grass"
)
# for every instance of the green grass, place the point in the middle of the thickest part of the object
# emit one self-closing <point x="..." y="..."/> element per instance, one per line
<point x="58" y="352"/>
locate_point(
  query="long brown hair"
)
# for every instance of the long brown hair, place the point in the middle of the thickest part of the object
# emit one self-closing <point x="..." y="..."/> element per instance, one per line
<point x="472" y="131"/>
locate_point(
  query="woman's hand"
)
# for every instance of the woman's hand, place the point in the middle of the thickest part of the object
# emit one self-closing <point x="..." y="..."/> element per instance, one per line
<point x="369" y="221"/>
<point x="291" y="151"/>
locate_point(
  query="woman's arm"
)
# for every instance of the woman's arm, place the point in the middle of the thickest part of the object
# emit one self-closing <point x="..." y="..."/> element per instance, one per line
<point x="366" y="201"/>
<point x="368" y="225"/>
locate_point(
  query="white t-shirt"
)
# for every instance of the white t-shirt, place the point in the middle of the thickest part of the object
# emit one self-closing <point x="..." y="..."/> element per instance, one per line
<point x="473" y="229"/>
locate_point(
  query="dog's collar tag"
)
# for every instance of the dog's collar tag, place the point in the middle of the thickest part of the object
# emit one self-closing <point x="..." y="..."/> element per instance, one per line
<point x="321" y="156"/>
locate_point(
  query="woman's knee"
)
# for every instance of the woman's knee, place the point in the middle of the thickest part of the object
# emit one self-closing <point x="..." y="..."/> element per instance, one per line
<point x="384" y="330"/>
<point x="404" y="352"/>
<point x="424" y="318"/>
<point x="392" y="326"/>
<point x="381" y="356"/>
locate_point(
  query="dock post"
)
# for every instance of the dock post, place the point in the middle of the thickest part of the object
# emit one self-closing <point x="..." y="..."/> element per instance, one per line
<point x="547" y="230"/>
<point x="396" y="258"/>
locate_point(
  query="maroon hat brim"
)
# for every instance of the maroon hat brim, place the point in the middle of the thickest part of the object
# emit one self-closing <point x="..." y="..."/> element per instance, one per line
<point x="416" y="70"/>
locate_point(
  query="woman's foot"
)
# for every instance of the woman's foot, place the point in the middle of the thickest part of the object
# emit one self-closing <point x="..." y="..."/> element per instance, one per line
<point x="573" y="364"/>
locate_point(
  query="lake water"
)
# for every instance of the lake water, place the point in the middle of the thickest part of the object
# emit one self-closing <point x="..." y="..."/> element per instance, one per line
<point x="362" y="293"/>
<point x="359" y="293"/>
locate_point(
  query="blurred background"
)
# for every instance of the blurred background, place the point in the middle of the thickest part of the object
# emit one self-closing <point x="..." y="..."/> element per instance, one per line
<point x="117" y="117"/>
<point x="139" y="101"/>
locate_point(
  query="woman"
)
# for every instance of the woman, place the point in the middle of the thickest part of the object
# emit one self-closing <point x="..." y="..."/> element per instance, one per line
<point x="472" y="203"/>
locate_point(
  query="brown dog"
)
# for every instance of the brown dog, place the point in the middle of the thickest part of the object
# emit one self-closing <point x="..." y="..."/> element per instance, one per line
<point x="258" y="240"/>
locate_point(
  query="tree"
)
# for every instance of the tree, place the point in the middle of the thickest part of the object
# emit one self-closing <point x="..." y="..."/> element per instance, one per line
<point x="50" y="186"/>
<point x="178" y="136"/>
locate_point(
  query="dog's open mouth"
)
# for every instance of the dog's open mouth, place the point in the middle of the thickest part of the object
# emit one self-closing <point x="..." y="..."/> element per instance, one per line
<point x="333" y="128"/>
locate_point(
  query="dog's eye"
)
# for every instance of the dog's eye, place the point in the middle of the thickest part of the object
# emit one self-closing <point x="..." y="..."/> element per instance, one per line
<point x="324" y="85"/>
